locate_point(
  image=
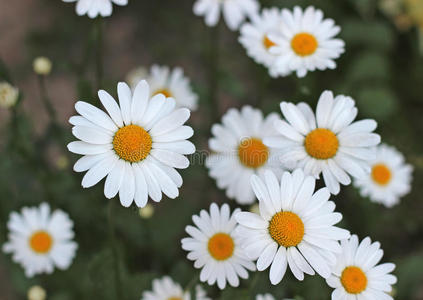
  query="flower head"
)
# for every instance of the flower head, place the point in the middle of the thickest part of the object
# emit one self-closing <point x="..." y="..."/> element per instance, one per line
<point x="36" y="292"/>
<point x="8" y="95"/>
<point x="42" y="65"/>
<point x="94" y="8"/>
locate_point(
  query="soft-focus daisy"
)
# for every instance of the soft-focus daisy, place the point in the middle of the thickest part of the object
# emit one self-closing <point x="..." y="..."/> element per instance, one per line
<point x="307" y="42"/>
<point x="94" y="8"/>
<point x="40" y="240"/>
<point x="137" y="144"/>
<point x="356" y="275"/>
<point x="8" y="95"/>
<point x="166" y="289"/>
<point x="295" y="227"/>
<point x="265" y="297"/>
<point x="389" y="179"/>
<point x="239" y="152"/>
<point x="172" y="83"/>
<point x="234" y="11"/>
<point x="328" y="142"/>
<point x="215" y="247"/>
<point x="255" y="37"/>
<point x="135" y="75"/>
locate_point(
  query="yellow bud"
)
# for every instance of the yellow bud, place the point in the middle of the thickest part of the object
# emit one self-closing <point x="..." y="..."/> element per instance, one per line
<point x="42" y="65"/>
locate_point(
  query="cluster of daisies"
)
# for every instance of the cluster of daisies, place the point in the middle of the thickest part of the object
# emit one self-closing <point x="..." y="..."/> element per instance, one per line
<point x="139" y="141"/>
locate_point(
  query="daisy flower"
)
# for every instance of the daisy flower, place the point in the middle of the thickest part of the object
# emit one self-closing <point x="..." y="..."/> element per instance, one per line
<point x="135" y="75"/>
<point x="166" y="289"/>
<point x="234" y="11"/>
<point x="172" y="83"/>
<point x="307" y="42"/>
<point x="215" y="247"/>
<point x="357" y="275"/>
<point x="389" y="179"/>
<point x="328" y="142"/>
<point x="94" y="8"/>
<point x="137" y="145"/>
<point x="255" y="37"/>
<point x="40" y="240"/>
<point x="295" y="227"/>
<point x="265" y="297"/>
<point x="239" y="152"/>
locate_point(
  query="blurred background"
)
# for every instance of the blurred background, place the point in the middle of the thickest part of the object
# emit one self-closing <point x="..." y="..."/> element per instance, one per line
<point x="382" y="69"/>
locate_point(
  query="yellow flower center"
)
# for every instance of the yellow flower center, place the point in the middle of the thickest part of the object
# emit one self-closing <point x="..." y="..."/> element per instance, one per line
<point x="381" y="174"/>
<point x="267" y="42"/>
<point x="41" y="242"/>
<point x="321" y="143"/>
<point x="304" y="44"/>
<point x="253" y="153"/>
<point x="165" y="92"/>
<point x="132" y="143"/>
<point x="221" y="246"/>
<point x="354" y="280"/>
<point x="286" y="228"/>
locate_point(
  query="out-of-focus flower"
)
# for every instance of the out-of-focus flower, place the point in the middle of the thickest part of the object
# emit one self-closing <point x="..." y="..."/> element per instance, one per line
<point x="8" y="95"/>
<point x="307" y="42"/>
<point x="214" y="245"/>
<point x="239" y="152"/>
<point x="165" y="288"/>
<point x="147" y="211"/>
<point x="94" y="8"/>
<point x="327" y="142"/>
<point x="41" y="240"/>
<point x="234" y="11"/>
<point x="404" y="13"/>
<point x="42" y="65"/>
<point x="135" y="76"/>
<point x="357" y="275"/>
<point x="265" y="297"/>
<point x="36" y="292"/>
<point x="255" y="37"/>
<point x="200" y="293"/>
<point x="137" y="144"/>
<point x="62" y="162"/>
<point x="172" y="83"/>
<point x="389" y="179"/>
<point x="255" y="208"/>
<point x="295" y="227"/>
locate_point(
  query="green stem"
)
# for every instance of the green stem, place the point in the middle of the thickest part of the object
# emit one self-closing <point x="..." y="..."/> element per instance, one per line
<point x="45" y="98"/>
<point x="192" y="282"/>
<point x="214" y="74"/>
<point x="99" y="52"/>
<point x="111" y="220"/>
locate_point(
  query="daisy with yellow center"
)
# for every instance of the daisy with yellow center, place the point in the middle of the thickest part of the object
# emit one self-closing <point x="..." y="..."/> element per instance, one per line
<point x="94" y="8"/>
<point x="166" y="289"/>
<point x="295" y="227"/>
<point x="328" y="142"/>
<point x="390" y="177"/>
<point x="307" y="42"/>
<point x="136" y="145"/>
<point x="255" y="37"/>
<point x="357" y="275"/>
<point x="239" y="151"/>
<point x="214" y="247"/>
<point x="172" y="83"/>
<point x="40" y="240"/>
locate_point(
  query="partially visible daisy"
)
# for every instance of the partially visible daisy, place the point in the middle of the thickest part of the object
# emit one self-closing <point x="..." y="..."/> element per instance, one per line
<point x="137" y="144"/>
<point x="200" y="293"/>
<point x="265" y="297"/>
<point x="135" y="75"/>
<point x="8" y="95"/>
<point x="255" y="37"/>
<point x="328" y="142"/>
<point x="295" y="227"/>
<point x="166" y="289"/>
<point x="40" y="240"/>
<point x="239" y="152"/>
<point x="389" y="179"/>
<point x="307" y="42"/>
<point x="234" y="11"/>
<point x="215" y="247"/>
<point x="357" y="275"/>
<point x="94" y="8"/>
<point x="172" y="83"/>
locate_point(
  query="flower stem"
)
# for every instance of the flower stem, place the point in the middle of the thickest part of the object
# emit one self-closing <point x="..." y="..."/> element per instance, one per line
<point x="113" y="243"/>
<point x="45" y="98"/>
<point x="214" y="74"/>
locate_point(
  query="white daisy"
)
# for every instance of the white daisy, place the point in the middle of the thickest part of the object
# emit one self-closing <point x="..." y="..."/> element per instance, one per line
<point x="239" y="152"/>
<point x="234" y="11"/>
<point x="40" y="240"/>
<point x="200" y="293"/>
<point x="295" y="227"/>
<point x="389" y="179"/>
<point x="255" y="37"/>
<point x="137" y="145"/>
<point x="135" y="75"/>
<point x="307" y="42"/>
<point x="215" y="247"/>
<point x="328" y="142"/>
<point x="265" y="297"/>
<point x="166" y="289"/>
<point x="172" y="83"/>
<point x="94" y="8"/>
<point x="356" y="275"/>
